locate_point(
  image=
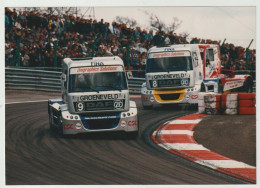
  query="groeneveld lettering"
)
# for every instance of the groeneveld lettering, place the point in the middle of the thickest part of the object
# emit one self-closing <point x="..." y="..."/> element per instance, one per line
<point x="102" y="97"/>
<point x="170" y="76"/>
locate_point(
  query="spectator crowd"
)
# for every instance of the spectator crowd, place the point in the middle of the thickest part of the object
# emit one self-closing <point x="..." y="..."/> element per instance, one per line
<point x="46" y="38"/>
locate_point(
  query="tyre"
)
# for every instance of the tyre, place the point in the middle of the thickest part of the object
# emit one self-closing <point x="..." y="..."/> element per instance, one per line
<point x="52" y="127"/>
<point x="148" y="107"/>
<point x="220" y="87"/>
<point x="132" y="135"/>
<point x="248" y="86"/>
<point x="60" y="128"/>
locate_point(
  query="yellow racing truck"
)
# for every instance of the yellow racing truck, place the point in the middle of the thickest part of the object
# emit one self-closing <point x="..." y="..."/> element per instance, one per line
<point x="177" y="73"/>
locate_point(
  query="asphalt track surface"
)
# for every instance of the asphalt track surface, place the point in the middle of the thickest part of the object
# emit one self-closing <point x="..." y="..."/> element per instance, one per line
<point x="36" y="156"/>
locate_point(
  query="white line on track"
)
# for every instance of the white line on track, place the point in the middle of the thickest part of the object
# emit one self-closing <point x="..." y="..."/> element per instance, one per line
<point x="184" y="121"/>
<point x="183" y="146"/>
<point x="187" y="132"/>
<point x="224" y="164"/>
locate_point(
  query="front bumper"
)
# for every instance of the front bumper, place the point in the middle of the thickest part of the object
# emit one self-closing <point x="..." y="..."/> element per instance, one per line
<point x="103" y="122"/>
<point x="151" y="97"/>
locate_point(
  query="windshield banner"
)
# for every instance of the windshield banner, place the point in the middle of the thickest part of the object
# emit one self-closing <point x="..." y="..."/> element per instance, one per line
<point x="168" y="54"/>
<point x="169" y="76"/>
<point x="83" y="70"/>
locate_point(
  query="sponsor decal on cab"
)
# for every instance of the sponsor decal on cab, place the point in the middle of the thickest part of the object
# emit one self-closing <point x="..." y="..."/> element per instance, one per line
<point x="68" y="126"/>
<point x="102" y="97"/>
<point x="83" y="70"/>
<point x="194" y="96"/>
<point x="132" y="123"/>
<point x="170" y="76"/>
<point x="168" y="54"/>
<point x="233" y="84"/>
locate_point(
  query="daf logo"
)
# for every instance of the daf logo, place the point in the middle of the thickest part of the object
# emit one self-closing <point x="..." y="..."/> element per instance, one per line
<point x="99" y="104"/>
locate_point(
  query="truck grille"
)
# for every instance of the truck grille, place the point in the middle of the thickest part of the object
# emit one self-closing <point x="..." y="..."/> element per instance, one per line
<point x="167" y="97"/>
<point x="106" y="121"/>
<point x="101" y="123"/>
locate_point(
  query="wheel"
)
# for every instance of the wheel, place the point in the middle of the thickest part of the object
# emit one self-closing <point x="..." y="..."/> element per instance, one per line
<point x="148" y="107"/>
<point x="248" y="86"/>
<point x="52" y="128"/>
<point x="220" y="87"/>
<point x="132" y="135"/>
<point x="60" y="128"/>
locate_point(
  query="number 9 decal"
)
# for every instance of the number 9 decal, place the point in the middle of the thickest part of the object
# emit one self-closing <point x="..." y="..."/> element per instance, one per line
<point x="80" y="106"/>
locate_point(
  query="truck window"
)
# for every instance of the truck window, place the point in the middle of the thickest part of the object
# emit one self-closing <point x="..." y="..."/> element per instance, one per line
<point x="167" y="64"/>
<point x="89" y="82"/>
<point x="210" y="54"/>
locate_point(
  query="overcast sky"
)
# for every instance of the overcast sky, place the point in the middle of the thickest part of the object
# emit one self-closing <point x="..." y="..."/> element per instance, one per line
<point x="236" y="24"/>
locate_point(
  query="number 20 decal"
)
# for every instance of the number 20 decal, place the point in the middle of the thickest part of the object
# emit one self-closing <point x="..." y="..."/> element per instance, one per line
<point x="118" y="104"/>
<point x="184" y="82"/>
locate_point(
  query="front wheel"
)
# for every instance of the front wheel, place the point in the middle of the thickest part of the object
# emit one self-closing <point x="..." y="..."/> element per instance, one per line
<point x="52" y="128"/>
<point x="148" y="107"/>
<point x="132" y="135"/>
<point x="248" y="86"/>
<point x="220" y="87"/>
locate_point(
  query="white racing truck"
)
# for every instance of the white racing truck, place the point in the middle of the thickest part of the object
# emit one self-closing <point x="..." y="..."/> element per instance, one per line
<point x="175" y="74"/>
<point x="95" y="98"/>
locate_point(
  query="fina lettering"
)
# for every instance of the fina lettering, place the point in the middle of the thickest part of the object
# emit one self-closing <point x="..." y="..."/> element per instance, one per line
<point x="97" y="64"/>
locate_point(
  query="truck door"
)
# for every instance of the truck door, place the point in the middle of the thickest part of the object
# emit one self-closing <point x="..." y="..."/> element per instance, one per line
<point x="212" y="66"/>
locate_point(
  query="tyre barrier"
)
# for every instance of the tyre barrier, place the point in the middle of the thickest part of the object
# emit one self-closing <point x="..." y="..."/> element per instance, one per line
<point x="247" y="103"/>
<point x="230" y="104"/>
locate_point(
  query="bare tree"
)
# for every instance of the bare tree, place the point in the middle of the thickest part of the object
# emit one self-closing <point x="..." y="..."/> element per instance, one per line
<point x="156" y="23"/>
<point x="174" y="25"/>
<point x="184" y="34"/>
<point x="128" y="21"/>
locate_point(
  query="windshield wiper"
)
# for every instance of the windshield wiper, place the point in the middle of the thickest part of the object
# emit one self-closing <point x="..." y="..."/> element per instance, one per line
<point x="92" y="89"/>
<point x="113" y="87"/>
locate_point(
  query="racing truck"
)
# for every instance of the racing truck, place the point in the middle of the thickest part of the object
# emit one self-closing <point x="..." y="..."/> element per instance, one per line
<point x="177" y="73"/>
<point x="95" y="98"/>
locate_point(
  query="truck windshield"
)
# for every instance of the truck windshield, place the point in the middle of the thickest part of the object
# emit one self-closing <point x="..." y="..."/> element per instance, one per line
<point x="168" y="64"/>
<point x="105" y="81"/>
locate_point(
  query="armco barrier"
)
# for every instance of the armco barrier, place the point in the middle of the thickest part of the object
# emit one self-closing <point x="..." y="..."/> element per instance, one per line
<point x="43" y="80"/>
<point x="46" y="80"/>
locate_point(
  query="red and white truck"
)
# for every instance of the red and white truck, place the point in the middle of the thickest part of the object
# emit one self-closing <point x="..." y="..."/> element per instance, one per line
<point x="177" y="73"/>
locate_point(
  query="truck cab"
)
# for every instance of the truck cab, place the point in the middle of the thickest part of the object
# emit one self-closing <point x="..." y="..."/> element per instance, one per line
<point x="95" y="97"/>
<point x="176" y="73"/>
